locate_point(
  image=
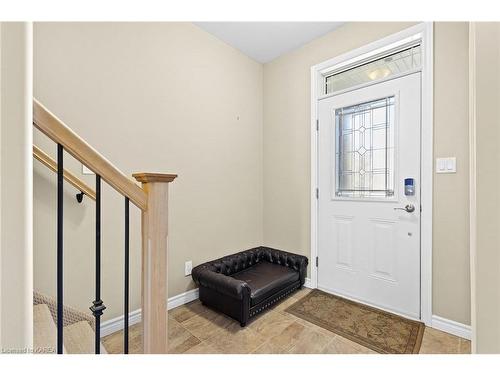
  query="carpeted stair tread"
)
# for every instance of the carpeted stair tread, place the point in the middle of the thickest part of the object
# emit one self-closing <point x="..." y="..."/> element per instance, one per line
<point x="79" y="339"/>
<point x="44" y="330"/>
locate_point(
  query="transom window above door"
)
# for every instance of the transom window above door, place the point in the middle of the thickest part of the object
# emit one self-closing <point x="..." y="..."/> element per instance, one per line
<point x="391" y="65"/>
<point x="364" y="144"/>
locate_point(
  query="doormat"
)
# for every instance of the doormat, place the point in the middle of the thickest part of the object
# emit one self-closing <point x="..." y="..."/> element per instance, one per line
<point x="375" y="329"/>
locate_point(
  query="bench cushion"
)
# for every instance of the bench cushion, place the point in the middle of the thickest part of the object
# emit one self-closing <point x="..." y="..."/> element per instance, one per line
<point x="265" y="279"/>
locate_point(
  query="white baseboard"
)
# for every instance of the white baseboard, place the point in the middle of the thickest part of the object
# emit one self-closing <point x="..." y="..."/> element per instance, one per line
<point x="183" y="298"/>
<point x="452" y="327"/>
<point x="307" y="283"/>
<point x="116" y="324"/>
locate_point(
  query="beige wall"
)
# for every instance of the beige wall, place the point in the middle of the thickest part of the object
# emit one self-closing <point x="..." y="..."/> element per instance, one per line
<point x="16" y="247"/>
<point x="244" y="170"/>
<point x="487" y="264"/>
<point x="287" y="151"/>
<point x="451" y="273"/>
<point x="150" y="97"/>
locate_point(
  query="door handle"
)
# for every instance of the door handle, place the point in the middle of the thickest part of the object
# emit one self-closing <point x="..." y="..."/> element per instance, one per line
<point x="408" y="208"/>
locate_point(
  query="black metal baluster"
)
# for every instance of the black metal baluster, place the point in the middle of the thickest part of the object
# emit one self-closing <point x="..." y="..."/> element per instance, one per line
<point x="125" y="298"/>
<point x="98" y="307"/>
<point x="60" y="196"/>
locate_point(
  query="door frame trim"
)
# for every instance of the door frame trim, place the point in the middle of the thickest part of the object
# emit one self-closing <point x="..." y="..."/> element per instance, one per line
<point x="472" y="182"/>
<point x="424" y="33"/>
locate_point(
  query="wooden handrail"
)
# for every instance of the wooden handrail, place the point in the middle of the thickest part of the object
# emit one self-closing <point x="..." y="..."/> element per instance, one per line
<point x="46" y="160"/>
<point x="56" y="130"/>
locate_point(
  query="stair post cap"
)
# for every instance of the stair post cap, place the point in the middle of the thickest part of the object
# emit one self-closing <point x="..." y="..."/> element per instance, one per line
<point x="145" y="177"/>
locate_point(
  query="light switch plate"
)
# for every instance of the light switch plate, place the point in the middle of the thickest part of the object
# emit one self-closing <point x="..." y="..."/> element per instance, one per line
<point x="188" y="267"/>
<point x="446" y="165"/>
<point x="86" y="170"/>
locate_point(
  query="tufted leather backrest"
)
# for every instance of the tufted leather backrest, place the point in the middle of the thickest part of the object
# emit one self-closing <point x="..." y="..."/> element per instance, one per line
<point x="234" y="263"/>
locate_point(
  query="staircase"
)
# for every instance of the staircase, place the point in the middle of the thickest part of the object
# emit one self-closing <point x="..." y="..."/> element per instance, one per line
<point x="78" y="329"/>
<point x="61" y="329"/>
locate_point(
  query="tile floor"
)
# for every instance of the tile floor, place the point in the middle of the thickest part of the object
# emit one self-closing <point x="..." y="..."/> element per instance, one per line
<point x="196" y="329"/>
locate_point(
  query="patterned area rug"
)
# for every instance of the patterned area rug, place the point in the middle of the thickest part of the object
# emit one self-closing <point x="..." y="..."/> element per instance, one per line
<point x="376" y="329"/>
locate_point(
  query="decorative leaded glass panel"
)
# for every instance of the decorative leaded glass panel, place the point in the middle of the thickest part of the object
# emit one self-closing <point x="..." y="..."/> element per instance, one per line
<point x="364" y="136"/>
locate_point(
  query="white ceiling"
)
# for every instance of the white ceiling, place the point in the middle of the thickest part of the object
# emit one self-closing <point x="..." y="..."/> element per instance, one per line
<point x="265" y="41"/>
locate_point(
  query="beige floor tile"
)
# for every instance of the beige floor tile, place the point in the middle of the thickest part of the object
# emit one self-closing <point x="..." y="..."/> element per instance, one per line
<point x="301" y="293"/>
<point x="268" y="347"/>
<point x="270" y="323"/>
<point x="202" y="348"/>
<point x="236" y="340"/>
<point x="206" y="325"/>
<point x="465" y="346"/>
<point x="363" y="349"/>
<point x="135" y="339"/>
<point x="194" y="328"/>
<point x="284" y="341"/>
<point x="179" y="338"/>
<point x="310" y="341"/>
<point x="341" y="345"/>
<point x="438" y="342"/>
<point x="284" y="304"/>
<point x="186" y="311"/>
<point x="313" y="326"/>
<point x="114" y="342"/>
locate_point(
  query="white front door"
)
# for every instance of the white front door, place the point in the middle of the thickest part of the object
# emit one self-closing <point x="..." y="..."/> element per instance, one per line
<point x="369" y="224"/>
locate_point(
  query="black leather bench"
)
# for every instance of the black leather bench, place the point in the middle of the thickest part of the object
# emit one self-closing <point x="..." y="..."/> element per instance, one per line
<point x="244" y="284"/>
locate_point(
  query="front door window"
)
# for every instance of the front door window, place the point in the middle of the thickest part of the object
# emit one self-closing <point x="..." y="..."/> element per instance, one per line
<point x="364" y="136"/>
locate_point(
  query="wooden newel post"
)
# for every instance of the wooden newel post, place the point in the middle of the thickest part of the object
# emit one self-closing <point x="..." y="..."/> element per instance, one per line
<point x="154" y="261"/>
